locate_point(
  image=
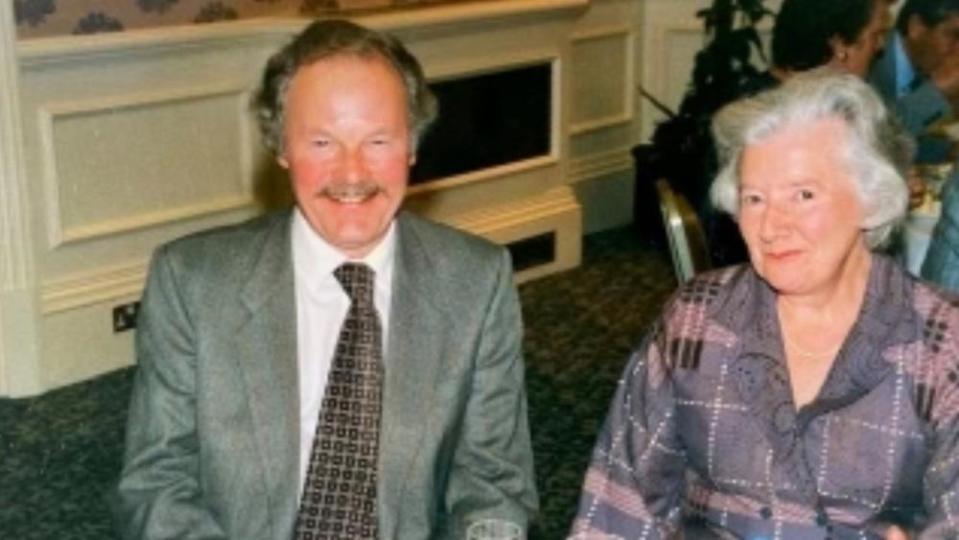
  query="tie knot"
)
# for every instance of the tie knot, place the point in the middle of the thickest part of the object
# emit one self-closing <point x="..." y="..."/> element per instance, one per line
<point x="357" y="280"/>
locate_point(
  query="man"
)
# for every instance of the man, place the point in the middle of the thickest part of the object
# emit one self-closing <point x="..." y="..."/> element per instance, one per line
<point x="941" y="264"/>
<point x="342" y="370"/>
<point x="919" y="73"/>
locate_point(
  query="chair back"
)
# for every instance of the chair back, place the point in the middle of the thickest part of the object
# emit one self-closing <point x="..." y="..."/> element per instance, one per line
<point x="684" y="231"/>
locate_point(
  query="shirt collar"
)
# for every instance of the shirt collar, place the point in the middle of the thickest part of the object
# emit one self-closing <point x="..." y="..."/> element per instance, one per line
<point x="315" y="259"/>
<point x="905" y="73"/>
<point x="749" y="308"/>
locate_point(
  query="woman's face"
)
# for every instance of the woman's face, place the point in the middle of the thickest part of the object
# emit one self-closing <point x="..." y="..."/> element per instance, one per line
<point x="856" y="57"/>
<point x="799" y="212"/>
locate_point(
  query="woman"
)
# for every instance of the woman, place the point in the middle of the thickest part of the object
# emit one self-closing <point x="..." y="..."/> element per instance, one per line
<point x="811" y="393"/>
<point x="844" y="34"/>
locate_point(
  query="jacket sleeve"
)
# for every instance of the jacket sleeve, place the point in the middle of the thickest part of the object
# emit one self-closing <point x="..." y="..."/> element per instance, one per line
<point x="941" y="484"/>
<point x="491" y="475"/>
<point x="918" y="110"/>
<point x="941" y="481"/>
<point x="633" y="486"/>
<point x="158" y="495"/>
<point x="941" y="487"/>
<point x="921" y="107"/>
<point x="941" y="264"/>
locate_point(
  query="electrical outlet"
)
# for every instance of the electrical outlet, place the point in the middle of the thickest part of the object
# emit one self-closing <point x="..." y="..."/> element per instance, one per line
<point x="125" y="316"/>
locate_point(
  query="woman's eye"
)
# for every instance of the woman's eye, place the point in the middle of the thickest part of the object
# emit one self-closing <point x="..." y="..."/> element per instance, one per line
<point x="750" y="200"/>
<point x="322" y="143"/>
<point x="805" y="195"/>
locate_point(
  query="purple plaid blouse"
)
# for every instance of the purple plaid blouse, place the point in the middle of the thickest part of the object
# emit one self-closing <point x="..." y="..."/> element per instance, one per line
<point x="703" y="439"/>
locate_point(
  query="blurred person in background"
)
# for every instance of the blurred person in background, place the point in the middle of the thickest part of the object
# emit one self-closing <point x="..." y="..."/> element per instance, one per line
<point x="941" y="264"/>
<point x="918" y="75"/>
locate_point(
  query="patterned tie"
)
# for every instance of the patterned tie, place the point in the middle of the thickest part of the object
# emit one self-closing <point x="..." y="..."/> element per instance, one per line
<point x="339" y="495"/>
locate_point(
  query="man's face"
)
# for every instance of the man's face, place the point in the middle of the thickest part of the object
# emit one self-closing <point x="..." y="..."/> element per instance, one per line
<point x="929" y="46"/>
<point x="348" y="149"/>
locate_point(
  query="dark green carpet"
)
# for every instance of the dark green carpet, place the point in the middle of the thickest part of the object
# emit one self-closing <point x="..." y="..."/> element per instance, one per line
<point x="60" y="453"/>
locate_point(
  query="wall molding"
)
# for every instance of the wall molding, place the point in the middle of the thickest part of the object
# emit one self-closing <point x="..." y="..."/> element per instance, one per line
<point x="16" y="253"/>
<point x="557" y="211"/>
<point x="73" y="235"/>
<point x="601" y="31"/>
<point x="604" y="122"/>
<point x="485" y="221"/>
<point x="627" y="110"/>
<point x="486" y="174"/>
<point x="49" y="113"/>
<point x="115" y="283"/>
<point x="501" y="62"/>
<point x="598" y="164"/>
<point x="497" y="64"/>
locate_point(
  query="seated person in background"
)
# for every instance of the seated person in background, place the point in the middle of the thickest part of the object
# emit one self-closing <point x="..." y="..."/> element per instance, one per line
<point x="802" y="395"/>
<point x="341" y="370"/>
<point x="919" y="73"/>
<point x="845" y="34"/>
<point x="941" y="264"/>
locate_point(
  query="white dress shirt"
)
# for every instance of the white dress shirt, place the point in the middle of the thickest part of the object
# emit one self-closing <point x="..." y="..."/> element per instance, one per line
<point x="321" y="307"/>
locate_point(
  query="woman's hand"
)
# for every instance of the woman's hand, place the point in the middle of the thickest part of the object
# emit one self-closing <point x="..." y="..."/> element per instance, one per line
<point x="895" y="533"/>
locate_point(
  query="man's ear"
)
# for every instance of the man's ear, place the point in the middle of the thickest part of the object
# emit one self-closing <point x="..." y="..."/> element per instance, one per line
<point x="412" y="160"/>
<point x="281" y="159"/>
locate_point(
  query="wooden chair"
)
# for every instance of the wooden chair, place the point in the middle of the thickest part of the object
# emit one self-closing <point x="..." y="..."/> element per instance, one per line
<point x="687" y="241"/>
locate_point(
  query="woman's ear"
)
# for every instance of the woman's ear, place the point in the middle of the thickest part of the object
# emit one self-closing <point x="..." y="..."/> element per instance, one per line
<point x="840" y="53"/>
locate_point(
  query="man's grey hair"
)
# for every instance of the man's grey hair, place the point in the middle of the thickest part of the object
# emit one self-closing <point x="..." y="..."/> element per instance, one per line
<point x="327" y="38"/>
<point x="878" y="151"/>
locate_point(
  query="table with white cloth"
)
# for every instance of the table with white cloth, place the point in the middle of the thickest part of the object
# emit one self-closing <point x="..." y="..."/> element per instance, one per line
<point x="917" y="233"/>
<point x="921" y="220"/>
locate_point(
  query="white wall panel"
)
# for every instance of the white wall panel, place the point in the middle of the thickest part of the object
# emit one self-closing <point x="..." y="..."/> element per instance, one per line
<point x="104" y="175"/>
<point x="605" y="118"/>
<point x="602" y="79"/>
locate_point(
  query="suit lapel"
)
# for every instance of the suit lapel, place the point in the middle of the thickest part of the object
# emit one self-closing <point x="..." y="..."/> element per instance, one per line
<point x="265" y="353"/>
<point x="417" y="341"/>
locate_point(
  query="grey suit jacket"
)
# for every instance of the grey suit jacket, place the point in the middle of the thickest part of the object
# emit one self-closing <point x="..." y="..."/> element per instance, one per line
<point x="917" y="109"/>
<point x="212" y="439"/>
